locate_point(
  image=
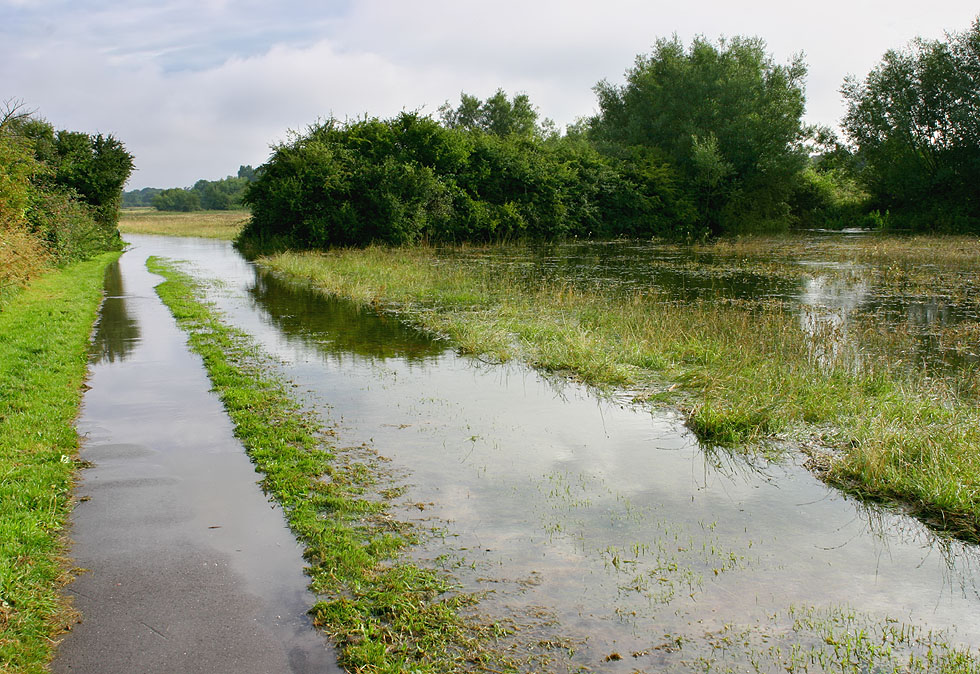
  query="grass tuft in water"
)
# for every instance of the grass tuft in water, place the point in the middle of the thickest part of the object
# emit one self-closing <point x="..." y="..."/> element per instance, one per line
<point x="835" y="639"/>
<point x="44" y="339"/>
<point x="385" y="615"/>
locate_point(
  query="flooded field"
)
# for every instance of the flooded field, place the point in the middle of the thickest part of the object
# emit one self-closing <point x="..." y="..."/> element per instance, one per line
<point x="835" y="280"/>
<point x="604" y="533"/>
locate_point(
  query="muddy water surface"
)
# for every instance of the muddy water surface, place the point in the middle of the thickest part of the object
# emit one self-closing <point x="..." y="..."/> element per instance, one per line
<point x="608" y="531"/>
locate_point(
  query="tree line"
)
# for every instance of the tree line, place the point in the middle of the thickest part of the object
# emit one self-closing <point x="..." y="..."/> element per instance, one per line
<point x="701" y="140"/>
<point x="60" y="193"/>
<point x="209" y="195"/>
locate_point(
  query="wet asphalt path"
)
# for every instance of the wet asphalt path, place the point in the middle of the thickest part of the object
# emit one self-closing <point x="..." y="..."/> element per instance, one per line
<point x="189" y="567"/>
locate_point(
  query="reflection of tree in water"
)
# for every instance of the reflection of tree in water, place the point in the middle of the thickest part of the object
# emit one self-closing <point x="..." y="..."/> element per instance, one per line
<point x="117" y="332"/>
<point x="336" y="326"/>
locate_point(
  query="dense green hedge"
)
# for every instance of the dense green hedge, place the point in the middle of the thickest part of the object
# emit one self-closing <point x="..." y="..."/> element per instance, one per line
<point x="409" y="179"/>
<point x="59" y="196"/>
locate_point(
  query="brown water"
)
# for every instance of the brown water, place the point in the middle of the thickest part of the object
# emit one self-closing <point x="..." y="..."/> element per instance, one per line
<point x="601" y="527"/>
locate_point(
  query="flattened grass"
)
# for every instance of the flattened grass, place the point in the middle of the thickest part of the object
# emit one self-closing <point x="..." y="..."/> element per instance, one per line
<point x="744" y="373"/>
<point x="224" y="225"/>
<point x="385" y="614"/>
<point x="44" y="339"/>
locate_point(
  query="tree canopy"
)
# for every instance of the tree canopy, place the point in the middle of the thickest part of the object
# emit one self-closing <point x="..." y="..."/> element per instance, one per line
<point x="496" y="115"/>
<point x="915" y="126"/>
<point x="410" y="178"/>
<point x="210" y="195"/>
<point x="726" y="115"/>
<point x="700" y="140"/>
<point x="59" y="194"/>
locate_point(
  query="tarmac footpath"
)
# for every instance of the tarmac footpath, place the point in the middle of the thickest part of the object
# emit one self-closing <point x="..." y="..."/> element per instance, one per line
<point x="188" y="566"/>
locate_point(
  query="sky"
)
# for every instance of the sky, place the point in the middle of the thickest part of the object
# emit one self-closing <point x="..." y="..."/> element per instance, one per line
<point x="196" y="88"/>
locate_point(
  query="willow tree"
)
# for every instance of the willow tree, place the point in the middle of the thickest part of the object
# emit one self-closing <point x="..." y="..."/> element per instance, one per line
<point x="915" y="126"/>
<point x="725" y="114"/>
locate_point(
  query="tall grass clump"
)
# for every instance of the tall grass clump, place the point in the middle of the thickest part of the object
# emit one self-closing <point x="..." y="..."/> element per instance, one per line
<point x="22" y="257"/>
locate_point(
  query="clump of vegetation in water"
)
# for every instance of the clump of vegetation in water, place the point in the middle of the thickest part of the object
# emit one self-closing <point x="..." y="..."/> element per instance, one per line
<point x="386" y="615"/>
<point x="44" y="340"/>
<point x="744" y="373"/>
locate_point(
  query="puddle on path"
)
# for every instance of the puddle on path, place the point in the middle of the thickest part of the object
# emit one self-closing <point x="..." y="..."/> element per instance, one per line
<point x="608" y="526"/>
<point x="188" y="567"/>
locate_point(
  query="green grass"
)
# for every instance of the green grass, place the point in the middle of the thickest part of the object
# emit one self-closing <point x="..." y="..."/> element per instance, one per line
<point x="224" y="225"/>
<point x="44" y="338"/>
<point x="832" y="639"/>
<point x="744" y="372"/>
<point x="385" y="614"/>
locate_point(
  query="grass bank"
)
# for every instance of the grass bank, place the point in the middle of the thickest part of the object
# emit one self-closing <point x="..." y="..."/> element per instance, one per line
<point x="385" y="614"/>
<point x="44" y="339"/>
<point x="205" y="224"/>
<point x="744" y="372"/>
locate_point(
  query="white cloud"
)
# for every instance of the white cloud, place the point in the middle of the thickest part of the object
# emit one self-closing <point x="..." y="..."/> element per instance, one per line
<point x="195" y="89"/>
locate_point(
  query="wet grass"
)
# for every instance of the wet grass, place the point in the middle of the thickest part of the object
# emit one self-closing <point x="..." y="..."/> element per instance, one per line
<point x="743" y="371"/>
<point x="44" y="339"/>
<point x="835" y="639"/>
<point x="224" y="225"/>
<point x="384" y="613"/>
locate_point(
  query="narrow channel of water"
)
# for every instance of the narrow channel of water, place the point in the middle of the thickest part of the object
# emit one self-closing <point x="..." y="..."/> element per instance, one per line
<point x="188" y="568"/>
<point x="608" y="528"/>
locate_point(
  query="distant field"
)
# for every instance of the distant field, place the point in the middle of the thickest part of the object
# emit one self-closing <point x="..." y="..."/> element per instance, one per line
<point x="205" y="224"/>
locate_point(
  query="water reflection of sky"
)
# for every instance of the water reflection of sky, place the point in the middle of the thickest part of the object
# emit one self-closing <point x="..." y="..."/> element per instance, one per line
<point x="607" y="519"/>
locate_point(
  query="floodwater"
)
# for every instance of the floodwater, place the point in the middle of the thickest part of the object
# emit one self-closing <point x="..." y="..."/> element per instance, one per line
<point x="825" y="288"/>
<point x="605" y="531"/>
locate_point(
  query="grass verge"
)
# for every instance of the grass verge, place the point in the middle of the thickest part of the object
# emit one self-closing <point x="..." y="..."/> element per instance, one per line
<point x="44" y="339"/>
<point x="743" y="372"/>
<point x="224" y="225"/>
<point x="385" y="614"/>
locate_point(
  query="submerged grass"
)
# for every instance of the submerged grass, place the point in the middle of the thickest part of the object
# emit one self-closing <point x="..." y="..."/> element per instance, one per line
<point x="385" y="614"/>
<point x="833" y="639"/>
<point x="224" y="225"/>
<point x="44" y="337"/>
<point x="745" y="373"/>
